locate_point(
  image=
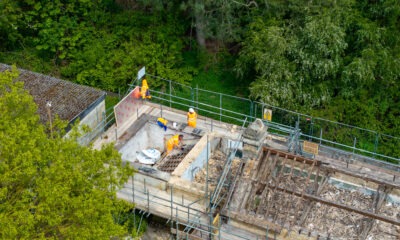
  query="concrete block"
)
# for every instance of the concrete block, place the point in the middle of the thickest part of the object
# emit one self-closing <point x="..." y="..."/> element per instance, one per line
<point x="255" y="130"/>
<point x="150" y="181"/>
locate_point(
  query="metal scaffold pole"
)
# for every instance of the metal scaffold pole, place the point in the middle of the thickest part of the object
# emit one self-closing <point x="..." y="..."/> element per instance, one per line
<point x="207" y="158"/>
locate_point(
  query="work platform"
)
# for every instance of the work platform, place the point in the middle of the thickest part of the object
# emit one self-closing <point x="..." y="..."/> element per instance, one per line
<point x="217" y="189"/>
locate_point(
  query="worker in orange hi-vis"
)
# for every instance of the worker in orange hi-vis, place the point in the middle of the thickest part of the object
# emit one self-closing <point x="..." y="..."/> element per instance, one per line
<point x="191" y="118"/>
<point x="144" y="91"/>
<point x="175" y="141"/>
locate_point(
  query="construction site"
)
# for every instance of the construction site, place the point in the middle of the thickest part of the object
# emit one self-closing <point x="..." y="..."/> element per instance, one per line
<point x="248" y="177"/>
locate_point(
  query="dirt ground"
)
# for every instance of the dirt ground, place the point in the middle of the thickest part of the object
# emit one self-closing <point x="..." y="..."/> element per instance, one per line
<point x="156" y="231"/>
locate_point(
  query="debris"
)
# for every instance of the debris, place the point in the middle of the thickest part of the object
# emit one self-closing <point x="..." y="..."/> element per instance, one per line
<point x="149" y="156"/>
<point x="215" y="167"/>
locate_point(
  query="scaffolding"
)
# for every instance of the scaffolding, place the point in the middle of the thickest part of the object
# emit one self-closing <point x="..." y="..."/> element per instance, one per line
<point x="189" y="221"/>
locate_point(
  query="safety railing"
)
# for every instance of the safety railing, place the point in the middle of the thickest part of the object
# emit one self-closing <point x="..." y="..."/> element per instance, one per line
<point x="337" y="135"/>
<point x="191" y="219"/>
<point x="232" y="109"/>
<point x="107" y="120"/>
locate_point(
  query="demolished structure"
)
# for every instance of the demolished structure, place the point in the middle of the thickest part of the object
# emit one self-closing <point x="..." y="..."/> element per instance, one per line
<point x="247" y="181"/>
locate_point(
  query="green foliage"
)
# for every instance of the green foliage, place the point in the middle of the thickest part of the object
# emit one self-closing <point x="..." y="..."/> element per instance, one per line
<point x="52" y="187"/>
<point x="111" y="101"/>
<point x="293" y="66"/>
<point x="314" y="58"/>
<point x="125" y="216"/>
<point x="113" y="58"/>
<point x="337" y="58"/>
<point x="60" y="27"/>
<point x="28" y="58"/>
<point x="10" y="19"/>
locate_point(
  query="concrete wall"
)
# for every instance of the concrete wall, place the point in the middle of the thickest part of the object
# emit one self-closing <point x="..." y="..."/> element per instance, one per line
<point x="227" y="144"/>
<point x="149" y="181"/>
<point x="95" y="116"/>
<point x="201" y="160"/>
<point x="149" y="136"/>
<point x="92" y="118"/>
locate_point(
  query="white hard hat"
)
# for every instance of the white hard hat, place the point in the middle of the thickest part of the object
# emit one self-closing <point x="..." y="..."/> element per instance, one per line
<point x="191" y="110"/>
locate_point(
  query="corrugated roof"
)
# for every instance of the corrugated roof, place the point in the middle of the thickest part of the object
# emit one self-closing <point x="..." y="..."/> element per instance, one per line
<point x="68" y="100"/>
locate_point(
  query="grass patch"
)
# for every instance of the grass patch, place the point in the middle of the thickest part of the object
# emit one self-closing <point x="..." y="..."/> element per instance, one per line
<point x="216" y="75"/>
<point x="111" y="101"/>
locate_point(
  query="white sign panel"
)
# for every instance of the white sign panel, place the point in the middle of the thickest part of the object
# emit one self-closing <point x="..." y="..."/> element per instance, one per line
<point x="141" y="73"/>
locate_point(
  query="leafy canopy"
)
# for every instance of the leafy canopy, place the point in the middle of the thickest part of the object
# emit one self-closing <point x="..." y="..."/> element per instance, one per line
<point x="52" y="187"/>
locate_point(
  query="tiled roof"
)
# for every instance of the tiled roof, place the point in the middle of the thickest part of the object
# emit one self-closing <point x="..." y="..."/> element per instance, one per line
<point x="68" y="100"/>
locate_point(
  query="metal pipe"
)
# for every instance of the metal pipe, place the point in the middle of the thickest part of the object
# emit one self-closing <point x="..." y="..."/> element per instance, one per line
<point x="197" y="97"/>
<point x="148" y="201"/>
<point x="177" y="224"/>
<point x="354" y="145"/>
<point x="320" y="137"/>
<point x="207" y="169"/>
<point x="220" y="107"/>
<point x="133" y="188"/>
<point x="376" y="143"/>
<point x="170" y="93"/>
<point x="172" y="209"/>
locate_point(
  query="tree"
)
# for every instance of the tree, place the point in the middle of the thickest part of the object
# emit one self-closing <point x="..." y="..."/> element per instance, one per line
<point x="218" y="20"/>
<point x="336" y="59"/>
<point x="52" y="187"/>
<point x="10" y="15"/>
<point x="294" y="65"/>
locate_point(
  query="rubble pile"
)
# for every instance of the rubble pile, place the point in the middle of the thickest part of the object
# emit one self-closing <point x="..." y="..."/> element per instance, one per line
<point x="215" y="167"/>
<point x="287" y="210"/>
<point x="341" y="205"/>
<point x="339" y="223"/>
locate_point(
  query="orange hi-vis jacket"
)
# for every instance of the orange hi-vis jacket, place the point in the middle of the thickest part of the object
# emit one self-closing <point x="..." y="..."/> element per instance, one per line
<point x="192" y="117"/>
<point x="144" y="91"/>
<point x="173" y="141"/>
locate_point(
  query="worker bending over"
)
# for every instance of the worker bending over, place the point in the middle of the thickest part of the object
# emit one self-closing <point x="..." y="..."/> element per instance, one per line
<point x="191" y="118"/>
<point x="144" y="91"/>
<point x="175" y="141"/>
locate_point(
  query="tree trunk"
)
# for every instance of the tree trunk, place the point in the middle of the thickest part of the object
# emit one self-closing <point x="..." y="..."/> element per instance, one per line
<point x="200" y="25"/>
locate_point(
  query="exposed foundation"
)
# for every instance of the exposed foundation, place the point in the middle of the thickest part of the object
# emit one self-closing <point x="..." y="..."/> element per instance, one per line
<point x="263" y="190"/>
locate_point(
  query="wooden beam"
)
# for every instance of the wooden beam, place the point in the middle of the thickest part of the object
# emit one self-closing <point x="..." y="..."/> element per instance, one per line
<point x="379" y="199"/>
<point x="341" y="206"/>
<point x="276" y="180"/>
<point x="332" y="168"/>
<point x="259" y="222"/>
<point x="264" y="194"/>
<point x="317" y="191"/>
<point x="290" y="156"/>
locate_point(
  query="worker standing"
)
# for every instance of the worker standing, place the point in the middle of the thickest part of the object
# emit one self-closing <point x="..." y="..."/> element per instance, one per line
<point x="175" y="141"/>
<point x="191" y="118"/>
<point x="144" y="91"/>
